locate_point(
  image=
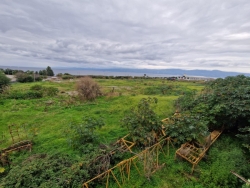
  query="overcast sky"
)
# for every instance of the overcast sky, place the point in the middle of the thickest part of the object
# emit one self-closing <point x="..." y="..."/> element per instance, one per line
<point x="186" y="34"/>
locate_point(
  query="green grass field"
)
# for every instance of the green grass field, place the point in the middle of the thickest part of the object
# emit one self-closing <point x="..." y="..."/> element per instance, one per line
<point x="46" y="121"/>
<point x="51" y="120"/>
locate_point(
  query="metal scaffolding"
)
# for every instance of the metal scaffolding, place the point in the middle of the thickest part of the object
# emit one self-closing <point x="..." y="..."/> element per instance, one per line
<point x="18" y="144"/>
<point x="148" y="158"/>
<point x="194" y="154"/>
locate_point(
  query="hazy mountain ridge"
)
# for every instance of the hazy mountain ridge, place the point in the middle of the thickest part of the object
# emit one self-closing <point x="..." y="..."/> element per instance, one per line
<point x="141" y="72"/>
<point x="177" y="72"/>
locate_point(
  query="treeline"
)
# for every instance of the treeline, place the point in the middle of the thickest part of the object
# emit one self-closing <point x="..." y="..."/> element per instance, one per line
<point x="29" y="76"/>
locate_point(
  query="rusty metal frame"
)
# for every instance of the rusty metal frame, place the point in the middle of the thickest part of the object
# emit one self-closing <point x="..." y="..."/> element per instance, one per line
<point x="195" y="154"/>
<point x="124" y="167"/>
<point x="125" y="144"/>
<point x="17" y="144"/>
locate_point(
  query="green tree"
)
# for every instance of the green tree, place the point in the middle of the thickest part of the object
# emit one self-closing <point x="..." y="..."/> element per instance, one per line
<point x="143" y="123"/>
<point x="49" y="71"/>
<point x="186" y="127"/>
<point x="223" y="102"/>
<point x="8" y="71"/>
<point x="4" y="81"/>
<point x="82" y="134"/>
<point x="24" y="77"/>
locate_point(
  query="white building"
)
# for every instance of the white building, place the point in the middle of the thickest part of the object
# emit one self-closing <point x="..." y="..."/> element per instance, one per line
<point x="194" y="78"/>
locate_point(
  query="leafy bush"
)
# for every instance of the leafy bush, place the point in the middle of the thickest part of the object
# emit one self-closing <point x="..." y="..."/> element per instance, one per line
<point x="47" y="91"/>
<point x="224" y="156"/>
<point x="222" y="102"/>
<point x="82" y="135"/>
<point x="24" y="95"/>
<point x="67" y="76"/>
<point x="36" y="87"/>
<point x="4" y="82"/>
<point x="50" y="91"/>
<point x="24" y="77"/>
<point x="186" y="127"/>
<point x="88" y="89"/>
<point x="46" y="171"/>
<point x="143" y="123"/>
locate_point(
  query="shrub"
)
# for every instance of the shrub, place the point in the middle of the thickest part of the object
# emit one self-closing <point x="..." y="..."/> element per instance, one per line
<point x="36" y="87"/>
<point x="80" y="135"/>
<point x="225" y="156"/>
<point x="65" y="77"/>
<point x="88" y="89"/>
<point x="50" y="91"/>
<point x="24" y="77"/>
<point x="4" y="82"/>
<point x="143" y="123"/>
<point x="25" y="95"/>
<point x="41" y="170"/>
<point x="186" y="127"/>
<point x="47" y="91"/>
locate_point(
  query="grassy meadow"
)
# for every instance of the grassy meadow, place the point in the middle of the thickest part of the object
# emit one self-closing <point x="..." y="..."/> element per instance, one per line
<point x="50" y="120"/>
<point x="45" y="121"/>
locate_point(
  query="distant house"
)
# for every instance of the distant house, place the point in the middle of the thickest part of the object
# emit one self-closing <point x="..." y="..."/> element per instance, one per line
<point x="52" y="78"/>
<point x="194" y="78"/>
<point x="12" y="78"/>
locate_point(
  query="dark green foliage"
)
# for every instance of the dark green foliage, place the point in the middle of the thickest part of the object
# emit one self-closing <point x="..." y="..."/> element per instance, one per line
<point x="47" y="91"/>
<point x="143" y="123"/>
<point x="49" y="71"/>
<point x="67" y="76"/>
<point x="224" y="156"/>
<point x="36" y="87"/>
<point x="183" y="102"/>
<point x="24" y="95"/>
<point x="50" y="91"/>
<point x="4" y="82"/>
<point x="43" y="72"/>
<point x="186" y="127"/>
<point x="24" y="77"/>
<point x="9" y="71"/>
<point x="46" y="171"/>
<point x="245" y="136"/>
<point x="35" y="92"/>
<point x="223" y="102"/>
<point x="82" y="135"/>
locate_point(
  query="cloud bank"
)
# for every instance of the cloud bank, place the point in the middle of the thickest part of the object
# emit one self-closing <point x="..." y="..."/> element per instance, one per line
<point x="161" y="34"/>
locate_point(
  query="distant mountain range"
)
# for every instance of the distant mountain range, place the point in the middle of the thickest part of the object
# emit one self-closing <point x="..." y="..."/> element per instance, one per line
<point x="177" y="72"/>
<point x="134" y="72"/>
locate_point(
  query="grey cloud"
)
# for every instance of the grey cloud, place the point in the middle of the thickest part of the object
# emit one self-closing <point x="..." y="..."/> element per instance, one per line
<point x="140" y="34"/>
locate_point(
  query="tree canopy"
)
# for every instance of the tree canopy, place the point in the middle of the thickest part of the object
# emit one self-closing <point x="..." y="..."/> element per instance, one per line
<point x="49" y="71"/>
<point x="143" y="123"/>
<point x="223" y="103"/>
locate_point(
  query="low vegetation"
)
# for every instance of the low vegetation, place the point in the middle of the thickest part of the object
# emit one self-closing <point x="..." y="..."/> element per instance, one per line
<point x="88" y="89"/>
<point x="4" y="82"/>
<point x="74" y="139"/>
